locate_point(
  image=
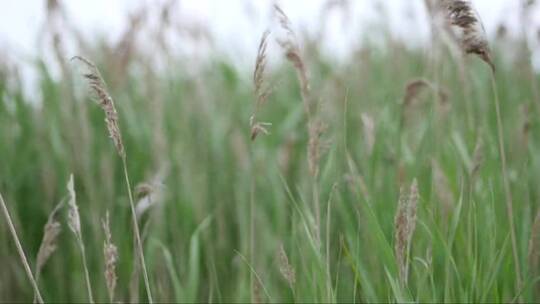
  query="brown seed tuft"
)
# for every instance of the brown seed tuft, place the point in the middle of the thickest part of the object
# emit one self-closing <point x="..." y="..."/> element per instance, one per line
<point x="468" y="28"/>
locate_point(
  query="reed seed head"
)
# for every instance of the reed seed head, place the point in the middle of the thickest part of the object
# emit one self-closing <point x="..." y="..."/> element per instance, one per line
<point x="74" y="220"/>
<point x="287" y="271"/>
<point x="468" y="27"/>
<point x="262" y="91"/>
<point x="105" y="102"/>
<point x="49" y="243"/>
<point x="404" y="225"/>
<point x="110" y="253"/>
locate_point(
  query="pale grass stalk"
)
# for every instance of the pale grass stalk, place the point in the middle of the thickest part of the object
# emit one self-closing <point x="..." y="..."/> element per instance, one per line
<point x="20" y="250"/>
<point x="74" y="223"/>
<point x="106" y="103"/>
<point x="506" y="183"/>
<point x="328" y="226"/>
<point x="254" y="295"/>
<point x="315" y="127"/>
<point x="262" y="92"/>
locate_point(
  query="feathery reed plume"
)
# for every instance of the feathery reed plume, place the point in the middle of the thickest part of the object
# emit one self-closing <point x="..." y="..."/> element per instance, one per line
<point x="404" y="225"/>
<point x="49" y="242"/>
<point x="287" y="271"/>
<point x="110" y="253"/>
<point x="20" y="250"/>
<point x="105" y="101"/>
<point x="262" y="92"/>
<point x="468" y="29"/>
<point x="74" y="223"/>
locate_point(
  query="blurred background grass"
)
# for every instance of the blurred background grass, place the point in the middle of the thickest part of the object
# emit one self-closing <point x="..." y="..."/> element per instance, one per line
<point x="186" y="132"/>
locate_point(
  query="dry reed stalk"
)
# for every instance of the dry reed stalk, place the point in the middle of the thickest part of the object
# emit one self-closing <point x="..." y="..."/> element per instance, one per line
<point x="285" y="268"/>
<point x="110" y="253"/>
<point x="293" y="54"/>
<point x="469" y="30"/>
<point x="315" y="127"/>
<point x="404" y="226"/>
<point x="20" y="250"/>
<point x="74" y="223"/>
<point x="262" y="92"/>
<point x="49" y="242"/>
<point x="105" y="101"/>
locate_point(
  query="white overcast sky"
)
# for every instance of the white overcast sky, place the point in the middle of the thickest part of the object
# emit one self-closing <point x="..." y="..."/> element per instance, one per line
<point x="20" y="20"/>
<point x="230" y="23"/>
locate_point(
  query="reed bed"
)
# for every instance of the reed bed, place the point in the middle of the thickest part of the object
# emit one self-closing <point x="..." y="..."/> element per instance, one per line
<point x="396" y="175"/>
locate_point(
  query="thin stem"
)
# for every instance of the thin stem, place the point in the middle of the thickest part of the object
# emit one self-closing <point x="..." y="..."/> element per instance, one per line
<point x="252" y="231"/>
<point x="328" y="226"/>
<point x="86" y="273"/>
<point x="137" y="233"/>
<point x="507" y="190"/>
<point x="317" y="209"/>
<point x="20" y="250"/>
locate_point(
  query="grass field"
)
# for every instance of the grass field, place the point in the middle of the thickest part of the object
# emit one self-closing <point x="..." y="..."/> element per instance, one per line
<point x="228" y="219"/>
